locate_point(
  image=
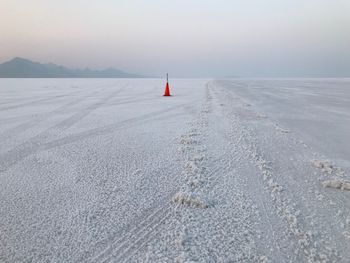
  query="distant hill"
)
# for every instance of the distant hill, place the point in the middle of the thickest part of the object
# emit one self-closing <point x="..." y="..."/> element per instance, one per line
<point x="24" y="68"/>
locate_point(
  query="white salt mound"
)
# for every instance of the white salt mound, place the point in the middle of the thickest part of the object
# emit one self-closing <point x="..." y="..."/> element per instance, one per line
<point x="281" y="129"/>
<point x="190" y="199"/>
<point x="338" y="184"/>
<point x="326" y="167"/>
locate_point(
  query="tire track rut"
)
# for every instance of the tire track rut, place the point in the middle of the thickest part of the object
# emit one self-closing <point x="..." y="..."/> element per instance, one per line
<point x="37" y="101"/>
<point x="34" y="121"/>
<point x="124" y="248"/>
<point x="40" y="143"/>
<point x="21" y="151"/>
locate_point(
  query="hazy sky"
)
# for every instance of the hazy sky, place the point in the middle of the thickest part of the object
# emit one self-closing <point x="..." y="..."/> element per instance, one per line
<point x="249" y="38"/>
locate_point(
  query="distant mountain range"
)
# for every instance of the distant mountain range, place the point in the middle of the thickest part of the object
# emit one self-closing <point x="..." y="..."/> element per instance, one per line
<point x="24" y="68"/>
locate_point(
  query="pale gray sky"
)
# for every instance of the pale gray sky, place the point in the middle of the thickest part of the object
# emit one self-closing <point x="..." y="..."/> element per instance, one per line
<point x="249" y="38"/>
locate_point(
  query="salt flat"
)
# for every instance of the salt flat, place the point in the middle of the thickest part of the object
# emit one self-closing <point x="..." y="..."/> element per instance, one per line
<point x="108" y="170"/>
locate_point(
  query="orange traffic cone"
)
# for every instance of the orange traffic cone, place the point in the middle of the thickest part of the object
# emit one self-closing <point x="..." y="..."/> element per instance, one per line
<point x="167" y="90"/>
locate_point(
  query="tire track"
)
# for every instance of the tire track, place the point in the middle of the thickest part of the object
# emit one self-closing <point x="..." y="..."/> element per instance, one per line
<point x="283" y="206"/>
<point x="65" y="124"/>
<point x="229" y="162"/>
<point x="139" y="243"/>
<point x="39" y="142"/>
<point x="14" y="101"/>
<point x="341" y="198"/>
<point x="138" y="234"/>
<point x="32" y="102"/>
<point x="124" y="248"/>
<point x="198" y="197"/>
<point x="21" y="151"/>
<point x="15" y="119"/>
<point x="64" y="108"/>
<point x="33" y="122"/>
<point x="278" y="255"/>
<point x="123" y="101"/>
<point x="132" y="122"/>
<point x="150" y="92"/>
<point x="194" y="175"/>
<point x="37" y="101"/>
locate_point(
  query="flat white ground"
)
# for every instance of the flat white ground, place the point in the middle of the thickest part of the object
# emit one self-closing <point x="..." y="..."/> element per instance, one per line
<point x="223" y="171"/>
